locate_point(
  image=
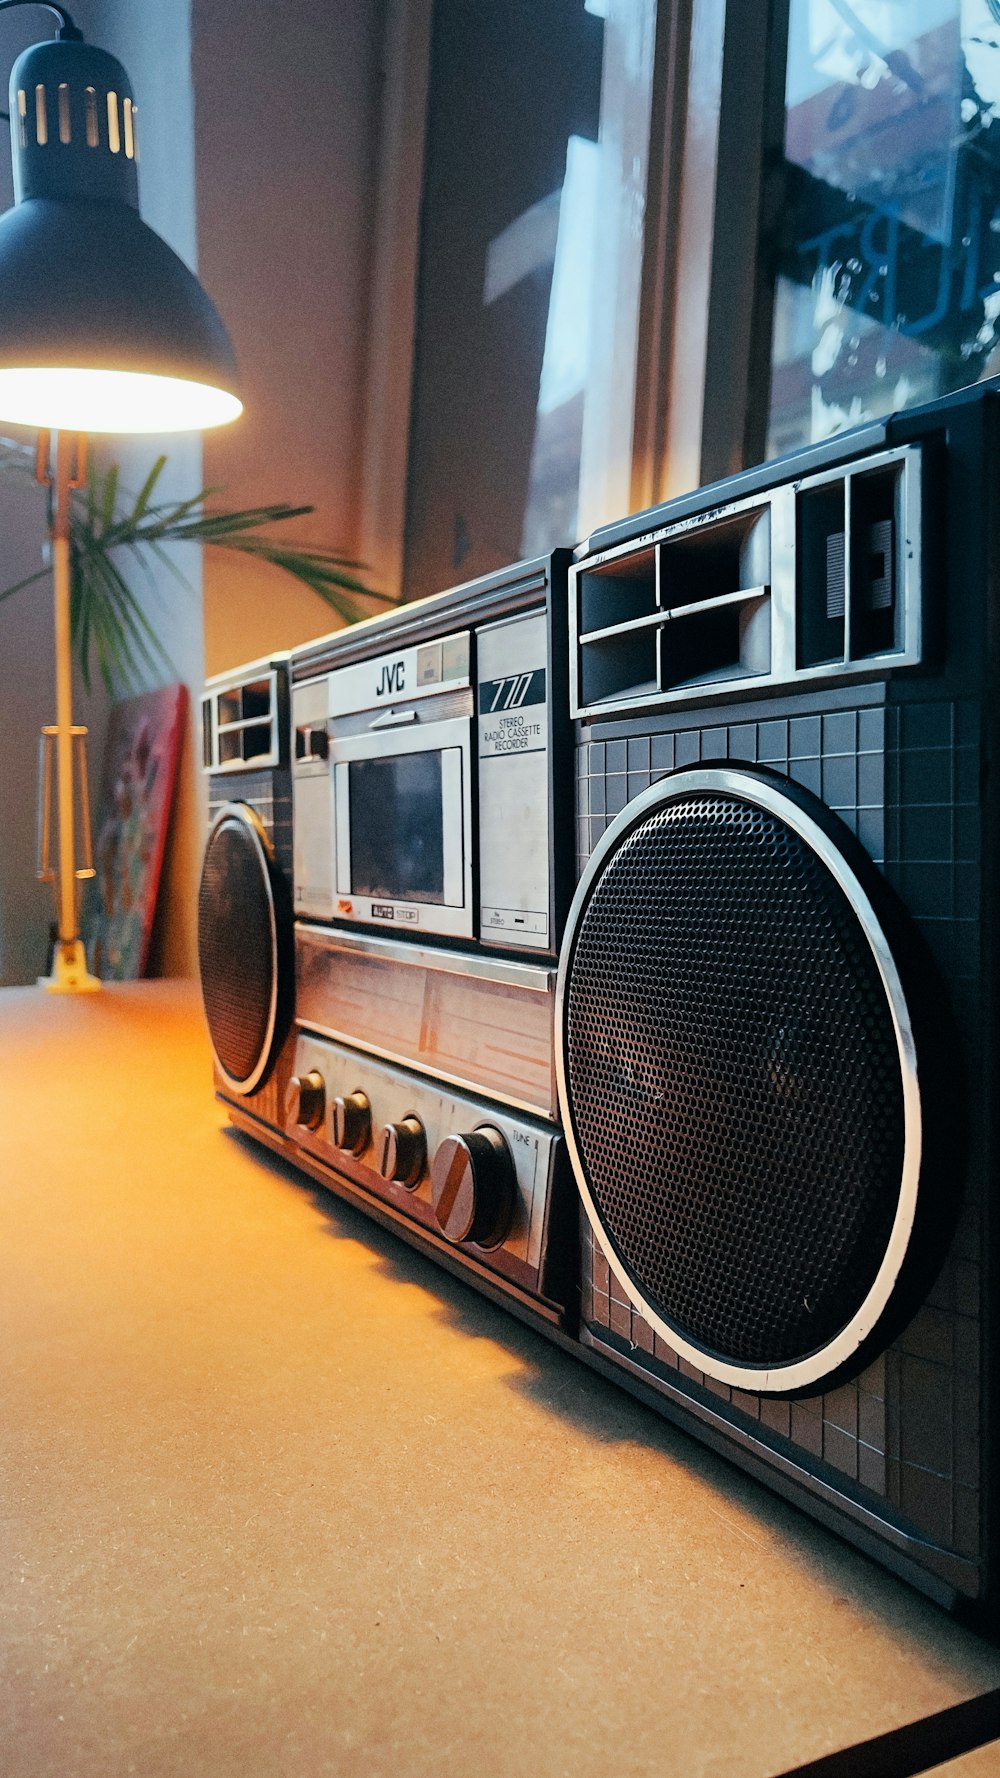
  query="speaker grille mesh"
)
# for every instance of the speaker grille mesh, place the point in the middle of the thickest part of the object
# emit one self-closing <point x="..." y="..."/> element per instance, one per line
<point x="236" y="951"/>
<point x="733" y="1080"/>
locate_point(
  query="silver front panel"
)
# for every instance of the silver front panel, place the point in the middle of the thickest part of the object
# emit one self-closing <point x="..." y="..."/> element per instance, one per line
<point x="419" y="672"/>
<point x="476" y="1022"/>
<point x="514" y="826"/>
<point x="312" y="794"/>
<point x="394" y="1094"/>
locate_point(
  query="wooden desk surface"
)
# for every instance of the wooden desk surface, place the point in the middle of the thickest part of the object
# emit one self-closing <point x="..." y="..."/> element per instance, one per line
<point x="282" y="1500"/>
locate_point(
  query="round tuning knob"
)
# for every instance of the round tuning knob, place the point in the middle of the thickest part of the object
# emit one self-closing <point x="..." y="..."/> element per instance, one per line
<point x="473" y="1186"/>
<point x="351" y="1122"/>
<point x="305" y="1099"/>
<point x="403" y="1154"/>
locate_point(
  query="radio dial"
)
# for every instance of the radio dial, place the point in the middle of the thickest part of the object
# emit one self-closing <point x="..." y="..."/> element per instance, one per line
<point x="473" y="1187"/>
<point x="305" y="1100"/>
<point x="351" y="1120"/>
<point x="404" y="1152"/>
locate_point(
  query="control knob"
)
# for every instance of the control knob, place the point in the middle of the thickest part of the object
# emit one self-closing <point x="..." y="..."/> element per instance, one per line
<point x="473" y="1187"/>
<point x="403" y="1154"/>
<point x="351" y="1122"/>
<point x="305" y="1099"/>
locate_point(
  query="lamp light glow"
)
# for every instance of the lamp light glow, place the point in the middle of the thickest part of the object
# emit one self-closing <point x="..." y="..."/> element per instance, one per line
<point x="69" y="399"/>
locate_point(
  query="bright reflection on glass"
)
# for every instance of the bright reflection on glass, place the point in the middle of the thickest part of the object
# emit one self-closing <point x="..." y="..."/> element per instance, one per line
<point x="553" y="480"/>
<point x="580" y="465"/>
<point x="531" y="255"/>
<point x="70" y="400"/>
<point x="888" y="258"/>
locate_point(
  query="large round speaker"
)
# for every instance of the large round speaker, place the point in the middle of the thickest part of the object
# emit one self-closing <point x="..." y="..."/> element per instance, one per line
<point x="244" y="947"/>
<point x="738" y="1077"/>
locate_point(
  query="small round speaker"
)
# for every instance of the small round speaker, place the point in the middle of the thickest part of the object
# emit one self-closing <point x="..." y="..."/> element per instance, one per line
<point x="738" y="1077"/>
<point x="244" y="945"/>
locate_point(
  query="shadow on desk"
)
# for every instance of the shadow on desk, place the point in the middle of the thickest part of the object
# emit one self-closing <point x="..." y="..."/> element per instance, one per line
<point x="745" y="1523"/>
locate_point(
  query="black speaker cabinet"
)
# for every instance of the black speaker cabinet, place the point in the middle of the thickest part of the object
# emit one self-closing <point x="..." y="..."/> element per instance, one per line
<point x="777" y="1006"/>
<point x="245" y="922"/>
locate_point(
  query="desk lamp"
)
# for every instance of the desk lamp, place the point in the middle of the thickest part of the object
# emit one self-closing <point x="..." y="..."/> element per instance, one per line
<point x="102" y="329"/>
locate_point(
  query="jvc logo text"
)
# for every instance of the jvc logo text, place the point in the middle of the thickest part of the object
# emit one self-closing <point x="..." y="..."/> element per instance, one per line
<point x="391" y="679"/>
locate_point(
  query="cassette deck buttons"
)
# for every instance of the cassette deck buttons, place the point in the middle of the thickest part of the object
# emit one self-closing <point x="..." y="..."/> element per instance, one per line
<point x="455" y="657"/>
<point x="429" y="664"/>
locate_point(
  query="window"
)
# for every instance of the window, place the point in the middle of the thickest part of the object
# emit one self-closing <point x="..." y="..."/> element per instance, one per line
<point x="632" y="246"/>
<point x="887" y="262"/>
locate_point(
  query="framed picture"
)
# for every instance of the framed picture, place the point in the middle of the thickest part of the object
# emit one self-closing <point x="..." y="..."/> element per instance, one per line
<point x="139" y="775"/>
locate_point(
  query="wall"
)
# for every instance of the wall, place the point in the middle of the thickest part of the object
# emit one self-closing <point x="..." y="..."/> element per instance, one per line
<point x="27" y="699"/>
<point x="286" y="123"/>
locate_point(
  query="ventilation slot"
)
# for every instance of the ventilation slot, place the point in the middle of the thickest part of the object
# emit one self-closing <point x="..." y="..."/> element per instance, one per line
<point x="41" y="119"/>
<point x="243" y="725"/>
<point x="22" y="114"/>
<point x="849" y="607"/>
<point x="65" y="130"/>
<point x="875" y="614"/>
<point x="693" y="609"/>
<point x="822" y="574"/>
<point x="129" y="115"/>
<point x="618" y="615"/>
<point x="836" y="575"/>
<point x="716" y="593"/>
<point x="93" y="124"/>
<point x="114" y="131"/>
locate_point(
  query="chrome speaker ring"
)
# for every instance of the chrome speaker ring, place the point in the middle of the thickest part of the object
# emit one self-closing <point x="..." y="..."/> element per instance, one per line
<point x="789" y="806"/>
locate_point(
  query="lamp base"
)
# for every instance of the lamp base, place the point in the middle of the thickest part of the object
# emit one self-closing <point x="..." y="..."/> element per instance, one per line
<point x="70" y="974"/>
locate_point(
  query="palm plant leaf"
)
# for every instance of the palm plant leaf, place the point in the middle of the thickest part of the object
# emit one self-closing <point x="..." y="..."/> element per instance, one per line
<point x="145" y="493"/>
<point x="29" y="580"/>
<point x="109" y="624"/>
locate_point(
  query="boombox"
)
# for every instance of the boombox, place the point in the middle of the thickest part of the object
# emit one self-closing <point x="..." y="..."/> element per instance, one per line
<point x="762" y="971"/>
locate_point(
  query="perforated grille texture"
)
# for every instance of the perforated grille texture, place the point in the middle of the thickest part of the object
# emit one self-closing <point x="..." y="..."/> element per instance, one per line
<point x="733" y="1080"/>
<point x="236" y="953"/>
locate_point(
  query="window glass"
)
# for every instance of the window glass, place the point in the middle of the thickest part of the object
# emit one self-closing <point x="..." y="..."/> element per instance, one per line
<point x="528" y="289"/>
<point x="887" y="284"/>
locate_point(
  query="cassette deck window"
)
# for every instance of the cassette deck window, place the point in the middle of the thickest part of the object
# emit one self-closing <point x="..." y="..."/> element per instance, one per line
<point x="397" y="828"/>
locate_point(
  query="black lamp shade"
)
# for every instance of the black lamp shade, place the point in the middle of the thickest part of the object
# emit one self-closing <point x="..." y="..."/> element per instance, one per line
<point x="86" y="288"/>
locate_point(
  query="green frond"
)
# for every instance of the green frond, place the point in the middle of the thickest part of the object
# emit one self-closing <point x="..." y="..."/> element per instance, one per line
<point x="145" y="493"/>
<point x="109" y="626"/>
<point x="110" y="499"/>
